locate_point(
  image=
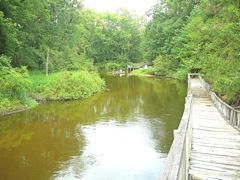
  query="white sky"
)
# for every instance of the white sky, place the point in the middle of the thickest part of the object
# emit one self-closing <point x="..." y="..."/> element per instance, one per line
<point x="139" y="6"/>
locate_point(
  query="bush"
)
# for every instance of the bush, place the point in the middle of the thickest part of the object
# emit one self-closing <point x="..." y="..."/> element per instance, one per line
<point x="110" y="65"/>
<point x="68" y="85"/>
<point x="148" y="71"/>
<point x="181" y="74"/>
<point x="14" y="87"/>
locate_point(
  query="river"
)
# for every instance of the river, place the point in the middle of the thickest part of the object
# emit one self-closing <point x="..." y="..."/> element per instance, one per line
<point x="122" y="133"/>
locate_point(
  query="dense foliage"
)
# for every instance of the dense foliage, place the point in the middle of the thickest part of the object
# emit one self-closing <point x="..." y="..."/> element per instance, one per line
<point x="186" y="35"/>
<point x="111" y="39"/>
<point x="15" y="83"/>
<point x="69" y="41"/>
<point x="67" y="85"/>
<point x="65" y="39"/>
<point x="19" y="90"/>
<point x="76" y="37"/>
<point x="142" y="71"/>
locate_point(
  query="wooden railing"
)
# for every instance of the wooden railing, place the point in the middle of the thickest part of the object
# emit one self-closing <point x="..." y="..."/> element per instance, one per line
<point x="177" y="163"/>
<point x="231" y="115"/>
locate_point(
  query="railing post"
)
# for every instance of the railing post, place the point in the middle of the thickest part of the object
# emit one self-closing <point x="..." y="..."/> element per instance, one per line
<point x="175" y="133"/>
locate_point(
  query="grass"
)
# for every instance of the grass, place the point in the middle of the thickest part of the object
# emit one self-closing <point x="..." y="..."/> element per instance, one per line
<point x="66" y="85"/>
<point x="148" y="71"/>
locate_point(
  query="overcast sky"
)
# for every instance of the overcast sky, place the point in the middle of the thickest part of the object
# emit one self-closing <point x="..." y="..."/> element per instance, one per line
<point x="139" y="6"/>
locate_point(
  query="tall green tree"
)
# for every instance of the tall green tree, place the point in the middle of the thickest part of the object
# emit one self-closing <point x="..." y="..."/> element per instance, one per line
<point x="210" y="41"/>
<point x="111" y="37"/>
<point x="184" y="35"/>
<point x="30" y="27"/>
<point x="27" y="18"/>
<point x="168" y="18"/>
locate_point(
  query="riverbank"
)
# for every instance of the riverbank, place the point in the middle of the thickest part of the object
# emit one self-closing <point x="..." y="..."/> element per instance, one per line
<point x="59" y="86"/>
<point x="14" y="111"/>
<point x="232" y="101"/>
<point x="150" y="72"/>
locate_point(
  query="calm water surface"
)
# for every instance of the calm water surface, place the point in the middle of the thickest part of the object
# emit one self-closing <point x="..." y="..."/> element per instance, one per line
<point x="124" y="133"/>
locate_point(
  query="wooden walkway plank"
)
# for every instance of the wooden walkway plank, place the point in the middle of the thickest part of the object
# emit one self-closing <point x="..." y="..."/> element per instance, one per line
<point x="222" y="135"/>
<point x="207" y="174"/>
<point x="217" y="166"/>
<point x="216" y="151"/>
<point x="215" y="144"/>
<point x="215" y="159"/>
<point x="215" y="129"/>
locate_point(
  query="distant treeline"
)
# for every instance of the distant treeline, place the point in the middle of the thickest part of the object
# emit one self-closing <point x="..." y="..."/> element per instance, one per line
<point x="182" y="36"/>
<point x="71" y="39"/>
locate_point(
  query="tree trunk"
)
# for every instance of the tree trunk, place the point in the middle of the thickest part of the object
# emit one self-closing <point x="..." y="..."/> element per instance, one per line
<point x="47" y="62"/>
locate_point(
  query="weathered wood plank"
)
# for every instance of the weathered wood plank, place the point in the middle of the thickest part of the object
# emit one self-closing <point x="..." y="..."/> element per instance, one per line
<point x="225" y="141"/>
<point x="215" y="136"/>
<point x="215" y="143"/>
<point x="209" y="118"/>
<point x="232" y="134"/>
<point x="214" y="166"/>
<point x="216" y="159"/>
<point x="212" y="126"/>
<point x="216" y="151"/>
<point x="216" y="170"/>
<point x="211" y="129"/>
<point x="212" y="174"/>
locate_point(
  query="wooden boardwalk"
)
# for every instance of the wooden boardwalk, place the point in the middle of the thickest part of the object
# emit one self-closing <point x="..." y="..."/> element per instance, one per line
<point x="215" y="143"/>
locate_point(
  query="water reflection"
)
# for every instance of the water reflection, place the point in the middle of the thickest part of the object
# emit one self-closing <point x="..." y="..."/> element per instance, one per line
<point x="124" y="133"/>
<point x="116" y="151"/>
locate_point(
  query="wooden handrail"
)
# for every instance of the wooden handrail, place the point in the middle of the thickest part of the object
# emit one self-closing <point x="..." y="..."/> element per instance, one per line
<point x="177" y="163"/>
<point x="231" y="115"/>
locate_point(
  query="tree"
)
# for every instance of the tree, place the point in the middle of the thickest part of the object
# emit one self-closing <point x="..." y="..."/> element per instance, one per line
<point x="110" y="37"/>
<point x="188" y="34"/>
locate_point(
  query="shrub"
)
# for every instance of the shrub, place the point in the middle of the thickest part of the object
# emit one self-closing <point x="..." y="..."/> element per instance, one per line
<point x="181" y="74"/>
<point x="68" y="85"/>
<point x="14" y="87"/>
<point x="148" y="71"/>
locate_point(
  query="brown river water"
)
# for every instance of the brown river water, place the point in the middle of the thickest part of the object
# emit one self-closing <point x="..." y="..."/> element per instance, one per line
<point x="124" y="133"/>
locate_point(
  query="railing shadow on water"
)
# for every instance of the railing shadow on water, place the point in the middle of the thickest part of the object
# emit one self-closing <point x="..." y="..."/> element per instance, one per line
<point x="177" y="163"/>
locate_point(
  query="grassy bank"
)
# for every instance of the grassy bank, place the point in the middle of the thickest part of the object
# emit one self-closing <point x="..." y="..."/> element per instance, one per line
<point x="21" y="90"/>
<point x="65" y="85"/>
<point x="142" y="71"/>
